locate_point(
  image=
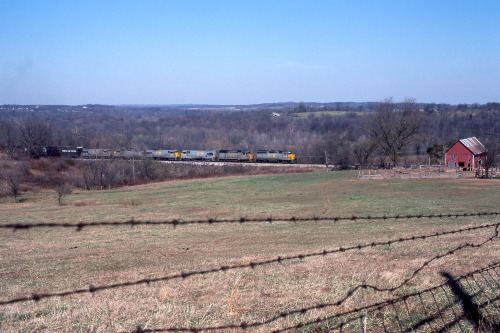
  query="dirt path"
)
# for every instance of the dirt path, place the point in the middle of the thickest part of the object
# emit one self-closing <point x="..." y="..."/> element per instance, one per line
<point x="327" y="200"/>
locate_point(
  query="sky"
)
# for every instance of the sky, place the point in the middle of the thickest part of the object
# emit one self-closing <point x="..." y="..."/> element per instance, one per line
<point x="248" y="52"/>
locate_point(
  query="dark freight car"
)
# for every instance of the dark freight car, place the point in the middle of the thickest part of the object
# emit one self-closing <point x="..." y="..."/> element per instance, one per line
<point x="73" y="152"/>
<point x="69" y="152"/>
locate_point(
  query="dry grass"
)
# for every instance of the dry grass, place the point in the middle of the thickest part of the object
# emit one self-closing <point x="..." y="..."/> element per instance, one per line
<point x="53" y="260"/>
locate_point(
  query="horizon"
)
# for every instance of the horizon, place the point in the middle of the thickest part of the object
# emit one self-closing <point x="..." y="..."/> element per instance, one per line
<point x="231" y="105"/>
<point x="242" y="53"/>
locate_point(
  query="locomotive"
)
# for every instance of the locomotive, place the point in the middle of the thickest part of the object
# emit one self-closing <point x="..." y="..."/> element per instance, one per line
<point x="242" y="156"/>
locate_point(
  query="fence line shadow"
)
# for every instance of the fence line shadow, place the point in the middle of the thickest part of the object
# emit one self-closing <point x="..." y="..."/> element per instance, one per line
<point x="471" y="310"/>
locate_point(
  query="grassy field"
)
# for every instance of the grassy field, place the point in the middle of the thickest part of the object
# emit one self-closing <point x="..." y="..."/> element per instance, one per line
<point x="52" y="260"/>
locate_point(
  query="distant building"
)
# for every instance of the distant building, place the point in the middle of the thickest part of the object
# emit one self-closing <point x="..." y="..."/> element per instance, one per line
<point x="274" y="114"/>
<point x="467" y="153"/>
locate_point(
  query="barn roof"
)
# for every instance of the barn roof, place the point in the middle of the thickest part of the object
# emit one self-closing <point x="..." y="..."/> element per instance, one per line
<point x="473" y="145"/>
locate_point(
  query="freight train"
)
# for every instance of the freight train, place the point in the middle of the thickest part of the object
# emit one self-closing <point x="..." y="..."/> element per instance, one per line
<point x="244" y="156"/>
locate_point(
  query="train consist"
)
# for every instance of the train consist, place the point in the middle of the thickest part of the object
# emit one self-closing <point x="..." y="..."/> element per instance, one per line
<point x="244" y="156"/>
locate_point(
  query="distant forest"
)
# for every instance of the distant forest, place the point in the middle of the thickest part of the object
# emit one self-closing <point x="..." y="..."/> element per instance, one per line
<point x="313" y="131"/>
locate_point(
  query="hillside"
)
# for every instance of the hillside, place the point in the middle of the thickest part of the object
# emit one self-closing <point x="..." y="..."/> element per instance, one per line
<point x="310" y="130"/>
<point x="55" y="260"/>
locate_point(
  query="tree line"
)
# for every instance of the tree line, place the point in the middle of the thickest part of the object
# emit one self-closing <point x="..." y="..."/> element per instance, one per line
<point x="384" y="134"/>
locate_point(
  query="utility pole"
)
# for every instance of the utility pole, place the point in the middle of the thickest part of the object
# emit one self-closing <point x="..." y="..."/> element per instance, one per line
<point x="133" y="168"/>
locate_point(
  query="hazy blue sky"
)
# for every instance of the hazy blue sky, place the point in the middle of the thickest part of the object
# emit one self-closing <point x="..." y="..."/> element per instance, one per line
<point x="245" y="52"/>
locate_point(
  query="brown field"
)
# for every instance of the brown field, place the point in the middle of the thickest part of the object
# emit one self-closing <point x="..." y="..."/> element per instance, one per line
<point x="54" y="260"/>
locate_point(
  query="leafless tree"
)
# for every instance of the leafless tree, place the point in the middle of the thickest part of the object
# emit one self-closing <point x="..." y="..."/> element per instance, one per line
<point x="393" y="125"/>
<point x="491" y="156"/>
<point x="34" y="135"/>
<point x="363" y="151"/>
<point x="97" y="174"/>
<point x="146" y="168"/>
<point x="9" y="136"/>
<point x="13" y="183"/>
<point x="62" y="190"/>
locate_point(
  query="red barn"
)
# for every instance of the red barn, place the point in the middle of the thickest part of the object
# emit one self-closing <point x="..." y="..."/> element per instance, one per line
<point x="467" y="153"/>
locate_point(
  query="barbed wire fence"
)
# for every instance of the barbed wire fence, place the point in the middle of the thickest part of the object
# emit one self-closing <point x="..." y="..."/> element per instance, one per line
<point x="465" y="303"/>
<point x="212" y="221"/>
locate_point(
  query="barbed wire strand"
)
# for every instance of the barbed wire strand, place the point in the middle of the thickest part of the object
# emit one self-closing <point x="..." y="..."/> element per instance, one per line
<point x="348" y="295"/>
<point x="428" y="262"/>
<point x="467" y="316"/>
<point x="458" y="320"/>
<point x="379" y="308"/>
<point x="380" y="305"/>
<point x="213" y="221"/>
<point x="369" y="308"/>
<point x="253" y="264"/>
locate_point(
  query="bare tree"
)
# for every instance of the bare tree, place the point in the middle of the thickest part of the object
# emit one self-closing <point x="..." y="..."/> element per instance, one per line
<point x="90" y="173"/>
<point x="491" y="156"/>
<point x="62" y="190"/>
<point x="97" y="174"/>
<point x="13" y="184"/>
<point x="9" y="136"/>
<point x="362" y="151"/>
<point x="34" y="135"/>
<point x="393" y="125"/>
<point x="146" y="168"/>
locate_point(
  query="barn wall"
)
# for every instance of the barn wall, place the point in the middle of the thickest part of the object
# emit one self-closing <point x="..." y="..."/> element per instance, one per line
<point x="460" y="154"/>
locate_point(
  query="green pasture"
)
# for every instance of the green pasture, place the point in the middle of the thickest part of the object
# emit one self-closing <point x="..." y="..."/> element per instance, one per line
<point x="305" y="195"/>
<point x="56" y="259"/>
<point x="299" y="195"/>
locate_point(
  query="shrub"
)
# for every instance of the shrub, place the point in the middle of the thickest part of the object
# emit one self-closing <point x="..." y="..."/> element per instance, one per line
<point x="61" y="166"/>
<point x="62" y="190"/>
<point x="40" y="165"/>
<point x="70" y="162"/>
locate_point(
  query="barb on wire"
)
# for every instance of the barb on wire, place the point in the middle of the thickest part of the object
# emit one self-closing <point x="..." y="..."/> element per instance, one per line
<point x="349" y="294"/>
<point x="252" y="264"/>
<point x="213" y="221"/>
<point x="368" y="308"/>
<point x="445" y="326"/>
<point x="380" y="305"/>
<point x="428" y="262"/>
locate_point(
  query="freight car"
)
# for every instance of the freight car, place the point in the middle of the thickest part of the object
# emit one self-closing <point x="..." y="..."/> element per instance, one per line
<point x="275" y="156"/>
<point x="96" y="153"/>
<point x="68" y="152"/>
<point x="199" y="155"/>
<point x="236" y="156"/>
<point x="163" y="154"/>
<point x="129" y="154"/>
